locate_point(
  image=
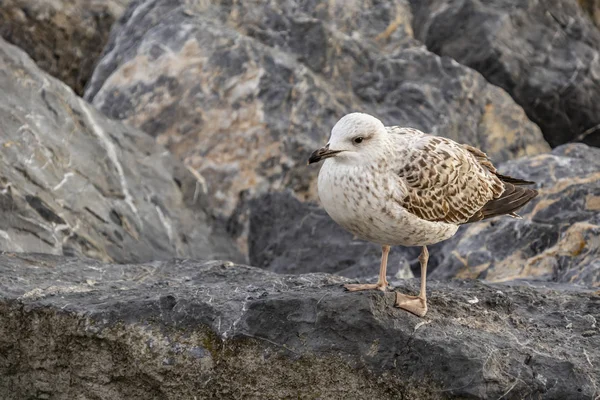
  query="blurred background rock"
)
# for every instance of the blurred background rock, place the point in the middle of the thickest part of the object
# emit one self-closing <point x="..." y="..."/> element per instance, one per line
<point x="64" y="37"/>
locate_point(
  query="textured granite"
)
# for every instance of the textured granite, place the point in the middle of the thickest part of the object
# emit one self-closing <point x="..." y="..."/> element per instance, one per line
<point x="77" y="329"/>
<point x="64" y="37"/>
<point x="74" y="182"/>
<point x="546" y="54"/>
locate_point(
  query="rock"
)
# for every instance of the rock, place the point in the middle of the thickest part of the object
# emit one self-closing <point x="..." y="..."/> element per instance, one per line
<point x="77" y="329"/>
<point x="558" y="238"/>
<point x="546" y="54"/>
<point x="74" y="182"/>
<point x="288" y="236"/>
<point x="244" y="92"/>
<point x="592" y="7"/>
<point x="64" y="37"/>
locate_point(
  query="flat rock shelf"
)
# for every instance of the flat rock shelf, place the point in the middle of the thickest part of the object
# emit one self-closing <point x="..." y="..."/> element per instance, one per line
<point x="80" y="329"/>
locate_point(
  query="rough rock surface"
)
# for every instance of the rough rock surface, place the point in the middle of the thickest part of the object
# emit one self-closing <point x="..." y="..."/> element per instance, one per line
<point x="592" y="7"/>
<point x="178" y="330"/>
<point x="546" y="54"/>
<point x="243" y="92"/>
<point x="64" y="37"/>
<point x="292" y="237"/>
<point x="558" y="238"/>
<point x="74" y="182"/>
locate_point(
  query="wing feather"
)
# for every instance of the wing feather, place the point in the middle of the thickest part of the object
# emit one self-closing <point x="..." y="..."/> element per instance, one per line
<point x="449" y="182"/>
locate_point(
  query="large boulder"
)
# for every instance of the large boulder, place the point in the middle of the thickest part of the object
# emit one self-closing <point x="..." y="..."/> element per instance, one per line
<point x="64" y="37"/>
<point x="558" y="238"/>
<point x="72" y="329"/>
<point x="74" y="182"/>
<point x="244" y="91"/>
<point x="293" y="237"/>
<point x="546" y="54"/>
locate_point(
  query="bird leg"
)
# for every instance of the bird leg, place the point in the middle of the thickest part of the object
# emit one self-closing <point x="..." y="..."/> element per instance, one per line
<point x="382" y="282"/>
<point x="416" y="304"/>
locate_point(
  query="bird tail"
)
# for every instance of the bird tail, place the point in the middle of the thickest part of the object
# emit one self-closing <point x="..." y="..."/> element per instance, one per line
<point x="514" y="197"/>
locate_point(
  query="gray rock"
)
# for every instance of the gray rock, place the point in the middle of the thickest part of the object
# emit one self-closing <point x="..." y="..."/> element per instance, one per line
<point x="292" y="237"/>
<point x="546" y="54"/>
<point x="64" y="37"/>
<point x="592" y="7"/>
<point x="76" y="329"/>
<point x="557" y="239"/>
<point x="244" y="92"/>
<point x="74" y="182"/>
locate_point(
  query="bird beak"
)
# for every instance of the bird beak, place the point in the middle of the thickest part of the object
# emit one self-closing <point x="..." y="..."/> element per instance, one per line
<point x="322" y="154"/>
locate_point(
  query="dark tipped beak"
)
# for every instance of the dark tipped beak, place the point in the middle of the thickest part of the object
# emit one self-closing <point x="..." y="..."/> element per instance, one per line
<point x="322" y="154"/>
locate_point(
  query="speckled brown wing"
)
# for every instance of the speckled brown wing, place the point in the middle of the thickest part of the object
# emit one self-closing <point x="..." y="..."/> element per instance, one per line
<point x="445" y="181"/>
<point x="512" y="198"/>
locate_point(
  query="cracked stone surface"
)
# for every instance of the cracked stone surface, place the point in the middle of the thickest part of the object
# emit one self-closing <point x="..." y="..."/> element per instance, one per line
<point x="243" y="92"/>
<point x="74" y="182"/>
<point x="64" y="37"/>
<point x="545" y="53"/>
<point x="73" y="328"/>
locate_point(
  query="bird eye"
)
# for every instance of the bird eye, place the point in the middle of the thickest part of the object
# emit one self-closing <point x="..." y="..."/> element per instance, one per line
<point x="358" y="139"/>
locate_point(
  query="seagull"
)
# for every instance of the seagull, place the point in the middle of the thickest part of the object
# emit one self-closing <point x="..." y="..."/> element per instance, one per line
<point x="398" y="186"/>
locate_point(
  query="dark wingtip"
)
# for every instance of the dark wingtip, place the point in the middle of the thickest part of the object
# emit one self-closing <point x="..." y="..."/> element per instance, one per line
<point x="514" y="181"/>
<point x="513" y="198"/>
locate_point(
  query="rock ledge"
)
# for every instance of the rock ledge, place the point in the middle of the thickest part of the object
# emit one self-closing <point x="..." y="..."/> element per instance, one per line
<point x="72" y="328"/>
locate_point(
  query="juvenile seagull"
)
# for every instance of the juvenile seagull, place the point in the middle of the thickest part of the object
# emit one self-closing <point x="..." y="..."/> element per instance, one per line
<point x="400" y="186"/>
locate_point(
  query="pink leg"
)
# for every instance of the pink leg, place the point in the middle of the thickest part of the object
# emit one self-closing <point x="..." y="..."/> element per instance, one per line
<point x="382" y="282"/>
<point x="416" y="304"/>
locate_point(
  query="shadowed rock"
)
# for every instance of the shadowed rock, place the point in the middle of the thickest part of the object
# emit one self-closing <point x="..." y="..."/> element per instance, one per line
<point x="74" y="182"/>
<point x="546" y="54"/>
<point x="179" y="329"/>
<point x="244" y="92"/>
<point x="288" y="236"/>
<point x="64" y="37"/>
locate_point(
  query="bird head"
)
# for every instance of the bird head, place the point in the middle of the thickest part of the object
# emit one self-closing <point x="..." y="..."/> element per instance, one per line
<point x="355" y="138"/>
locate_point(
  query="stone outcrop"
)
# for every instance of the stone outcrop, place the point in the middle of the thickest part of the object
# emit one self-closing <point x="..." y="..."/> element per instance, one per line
<point x="74" y="182"/>
<point x="182" y="329"/>
<point x="243" y="92"/>
<point x="64" y="37"/>
<point x="546" y="54"/>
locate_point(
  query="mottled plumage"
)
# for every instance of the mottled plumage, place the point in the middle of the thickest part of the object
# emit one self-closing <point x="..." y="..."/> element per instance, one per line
<point x="451" y="182"/>
<point x="400" y="186"/>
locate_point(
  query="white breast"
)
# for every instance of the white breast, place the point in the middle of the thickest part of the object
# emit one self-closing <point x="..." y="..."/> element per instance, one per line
<point x="362" y="201"/>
